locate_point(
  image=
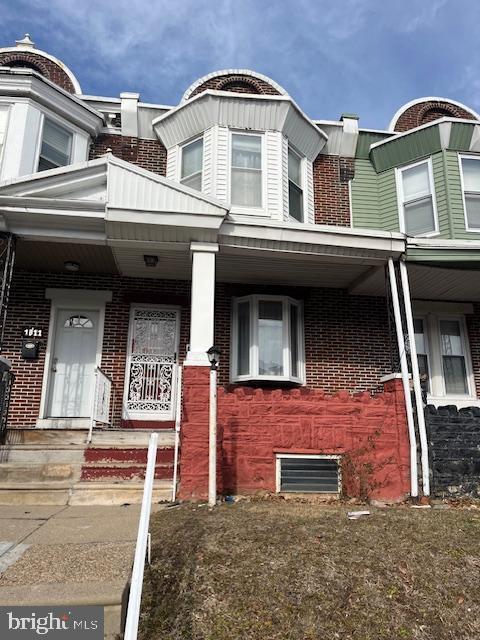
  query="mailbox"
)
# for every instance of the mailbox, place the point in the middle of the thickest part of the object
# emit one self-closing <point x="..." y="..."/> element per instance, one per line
<point x="30" y="349"/>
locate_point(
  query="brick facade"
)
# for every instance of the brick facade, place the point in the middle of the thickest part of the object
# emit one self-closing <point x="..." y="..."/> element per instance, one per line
<point x="425" y="112"/>
<point x="331" y="175"/>
<point x="28" y="306"/>
<point x="44" y="66"/>
<point x="369" y="433"/>
<point x="148" y="154"/>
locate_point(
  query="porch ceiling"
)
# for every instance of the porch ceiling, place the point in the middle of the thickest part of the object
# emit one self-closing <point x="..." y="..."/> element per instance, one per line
<point x="51" y="257"/>
<point x="428" y="283"/>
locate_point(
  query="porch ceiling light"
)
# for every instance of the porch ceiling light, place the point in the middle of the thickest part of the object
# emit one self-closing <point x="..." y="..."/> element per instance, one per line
<point x="72" y="266"/>
<point x="150" y="261"/>
<point x="214" y="354"/>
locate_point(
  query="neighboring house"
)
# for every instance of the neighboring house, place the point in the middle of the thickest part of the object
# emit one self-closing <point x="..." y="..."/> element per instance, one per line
<point x="146" y="233"/>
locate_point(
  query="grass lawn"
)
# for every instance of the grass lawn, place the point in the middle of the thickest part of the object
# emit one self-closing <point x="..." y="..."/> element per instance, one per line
<point x="291" y="571"/>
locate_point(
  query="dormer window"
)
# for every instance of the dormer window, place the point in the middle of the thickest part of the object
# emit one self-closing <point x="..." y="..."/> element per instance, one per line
<point x="192" y="164"/>
<point x="246" y="174"/>
<point x="56" y="146"/>
<point x="471" y="191"/>
<point x="418" y="216"/>
<point x="295" y="189"/>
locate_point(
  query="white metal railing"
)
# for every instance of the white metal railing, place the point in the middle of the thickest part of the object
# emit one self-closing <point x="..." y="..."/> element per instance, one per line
<point x="102" y="395"/>
<point x="178" y="421"/>
<point x="134" y="599"/>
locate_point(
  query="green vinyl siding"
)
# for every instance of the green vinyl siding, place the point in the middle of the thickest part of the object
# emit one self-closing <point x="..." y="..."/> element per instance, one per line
<point x="460" y="136"/>
<point x="457" y="213"/>
<point x="387" y="196"/>
<point x="406" y="149"/>
<point x="365" y="210"/>
<point x="365" y="139"/>
<point x="441" y="197"/>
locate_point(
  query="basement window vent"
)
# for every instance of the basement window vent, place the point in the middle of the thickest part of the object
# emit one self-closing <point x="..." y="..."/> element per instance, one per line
<point x="308" y="473"/>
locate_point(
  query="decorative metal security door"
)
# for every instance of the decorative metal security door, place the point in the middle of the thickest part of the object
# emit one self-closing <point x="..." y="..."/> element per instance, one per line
<point x="152" y="363"/>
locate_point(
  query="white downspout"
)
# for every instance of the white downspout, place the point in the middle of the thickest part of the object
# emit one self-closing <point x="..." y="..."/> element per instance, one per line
<point x="405" y="380"/>
<point x="416" y="380"/>
<point x="178" y="421"/>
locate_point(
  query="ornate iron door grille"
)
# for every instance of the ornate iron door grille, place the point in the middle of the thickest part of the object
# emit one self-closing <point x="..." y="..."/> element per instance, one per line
<point x="152" y="362"/>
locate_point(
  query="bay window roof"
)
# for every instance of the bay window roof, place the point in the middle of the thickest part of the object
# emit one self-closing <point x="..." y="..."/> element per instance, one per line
<point x="241" y="111"/>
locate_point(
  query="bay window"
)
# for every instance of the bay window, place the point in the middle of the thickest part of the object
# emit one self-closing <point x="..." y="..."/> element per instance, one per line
<point x="246" y="170"/>
<point x="471" y="191"/>
<point x="192" y="164"/>
<point x="443" y="355"/>
<point x="416" y="199"/>
<point x="267" y="339"/>
<point x="295" y="190"/>
<point x="56" y="147"/>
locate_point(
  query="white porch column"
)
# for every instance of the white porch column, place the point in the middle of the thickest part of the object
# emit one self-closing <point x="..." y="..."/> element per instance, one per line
<point x="202" y="302"/>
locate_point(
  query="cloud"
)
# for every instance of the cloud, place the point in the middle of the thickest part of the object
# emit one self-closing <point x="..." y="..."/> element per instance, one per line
<point x="367" y="56"/>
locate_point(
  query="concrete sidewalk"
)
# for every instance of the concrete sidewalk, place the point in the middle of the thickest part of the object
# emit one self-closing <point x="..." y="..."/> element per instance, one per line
<point x="64" y="555"/>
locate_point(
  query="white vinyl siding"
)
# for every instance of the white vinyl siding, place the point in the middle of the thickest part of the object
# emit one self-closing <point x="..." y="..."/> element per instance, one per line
<point x="418" y="216"/>
<point x="4" y="111"/>
<point x="222" y="163"/>
<point x="172" y="159"/>
<point x="267" y="339"/>
<point x="471" y="191"/>
<point x="274" y="183"/>
<point x="295" y="186"/>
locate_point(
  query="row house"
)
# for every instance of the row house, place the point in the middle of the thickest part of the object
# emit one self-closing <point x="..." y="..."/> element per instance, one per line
<point x="334" y="267"/>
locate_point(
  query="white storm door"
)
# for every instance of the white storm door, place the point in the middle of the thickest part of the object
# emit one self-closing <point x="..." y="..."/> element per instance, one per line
<point x="152" y="363"/>
<point x="73" y="364"/>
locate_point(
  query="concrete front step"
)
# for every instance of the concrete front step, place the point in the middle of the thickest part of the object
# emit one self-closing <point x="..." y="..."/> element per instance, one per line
<point x="123" y="471"/>
<point x="81" y="493"/>
<point x="100" y="437"/>
<point x="39" y="454"/>
<point x="14" y="472"/>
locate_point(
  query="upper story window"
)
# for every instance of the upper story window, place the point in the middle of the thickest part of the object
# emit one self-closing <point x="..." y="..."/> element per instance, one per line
<point x="416" y="199"/>
<point x="3" y="127"/>
<point x="192" y="164"/>
<point x="56" y="146"/>
<point x="246" y="170"/>
<point x="471" y="191"/>
<point x="267" y="339"/>
<point x="295" y="186"/>
<point x="443" y="355"/>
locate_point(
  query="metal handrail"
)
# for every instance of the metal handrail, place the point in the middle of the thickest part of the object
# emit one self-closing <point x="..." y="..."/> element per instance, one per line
<point x="135" y="596"/>
<point x="100" y="418"/>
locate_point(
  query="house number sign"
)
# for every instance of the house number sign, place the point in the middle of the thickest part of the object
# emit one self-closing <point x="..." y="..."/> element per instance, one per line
<point x="32" y="332"/>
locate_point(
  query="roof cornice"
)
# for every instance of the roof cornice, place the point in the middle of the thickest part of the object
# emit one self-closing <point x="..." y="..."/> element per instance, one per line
<point x="26" y="83"/>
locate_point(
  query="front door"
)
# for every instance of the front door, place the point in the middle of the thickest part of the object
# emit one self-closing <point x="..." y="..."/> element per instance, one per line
<point x="73" y="364"/>
<point x="151" y="366"/>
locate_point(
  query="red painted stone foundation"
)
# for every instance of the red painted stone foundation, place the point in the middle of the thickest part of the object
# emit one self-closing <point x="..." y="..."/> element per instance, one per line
<point x="368" y="432"/>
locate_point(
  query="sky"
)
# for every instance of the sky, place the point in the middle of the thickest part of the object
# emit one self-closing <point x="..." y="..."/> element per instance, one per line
<point x="367" y="57"/>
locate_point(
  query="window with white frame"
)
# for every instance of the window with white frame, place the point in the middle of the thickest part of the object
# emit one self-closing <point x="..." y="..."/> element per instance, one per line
<point x="443" y="355"/>
<point x="56" y="148"/>
<point x="471" y="191"/>
<point x="246" y="170"/>
<point x="295" y="187"/>
<point x="267" y="339"/>
<point x="416" y="199"/>
<point x="3" y="127"/>
<point x="192" y="164"/>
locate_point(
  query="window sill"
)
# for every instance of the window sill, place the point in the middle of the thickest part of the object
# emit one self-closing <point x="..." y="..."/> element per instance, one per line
<point x="458" y="401"/>
<point x="267" y="382"/>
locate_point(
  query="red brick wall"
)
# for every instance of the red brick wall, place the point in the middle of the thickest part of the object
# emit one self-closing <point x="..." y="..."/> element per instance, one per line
<point x="238" y="84"/>
<point x="46" y="67"/>
<point x="148" y="154"/>
<point x="330" y="188"/>
<point x="425" y="112"/>
<point x="28" y="306"/>
<point x="370" y="434"/>
<point x="347" y="341"/>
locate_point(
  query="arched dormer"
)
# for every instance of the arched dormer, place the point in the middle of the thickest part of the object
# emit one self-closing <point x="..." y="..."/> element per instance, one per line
<point x="25" y="55"/>
<point x="424" y="110"/>
<point x="237" y="81"/>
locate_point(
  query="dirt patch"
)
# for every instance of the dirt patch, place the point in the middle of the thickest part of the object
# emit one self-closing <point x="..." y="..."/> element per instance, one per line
<point x="292" y="571"/>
